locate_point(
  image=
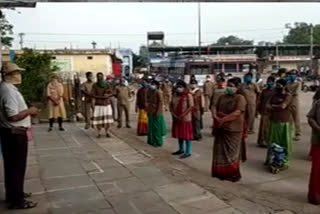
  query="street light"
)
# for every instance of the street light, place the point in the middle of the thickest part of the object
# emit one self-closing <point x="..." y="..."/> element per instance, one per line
<point x="199" y="27"/>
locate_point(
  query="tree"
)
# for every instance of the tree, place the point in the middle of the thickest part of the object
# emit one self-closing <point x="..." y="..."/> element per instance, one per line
<point x="38" y="69"/>
<point x="233" y="40"/>
<point x="144" y="55"/>
<point x="138" y="61"/>
<point x="6" y="30"/>
<point x="301" y="32"/>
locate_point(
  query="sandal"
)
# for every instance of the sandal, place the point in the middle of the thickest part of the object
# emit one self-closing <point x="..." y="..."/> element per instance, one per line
<point x="23" y="205"/>
<point x="27" y="195"/>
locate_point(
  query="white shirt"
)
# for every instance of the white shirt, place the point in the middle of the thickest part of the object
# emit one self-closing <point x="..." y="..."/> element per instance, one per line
<point x="11" y="104"/>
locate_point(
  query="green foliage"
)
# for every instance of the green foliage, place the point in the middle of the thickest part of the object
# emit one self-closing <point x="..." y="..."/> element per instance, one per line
<point x="6" y="30"/>
<point x="233" y="40"/>
<point x="300" y="34"/>
<point x="39" y="68"/>
<point x="144" y="55"/>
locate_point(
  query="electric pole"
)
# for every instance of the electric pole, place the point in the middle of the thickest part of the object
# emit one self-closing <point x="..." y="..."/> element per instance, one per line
<point x="21" y="36"/>
<point x="199" y="27"/>
<point x="277" y="56"/>
<point x="311" y="47"/>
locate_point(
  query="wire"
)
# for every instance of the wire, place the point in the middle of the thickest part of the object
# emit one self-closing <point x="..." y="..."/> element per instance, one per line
<point x="127" y="34"/>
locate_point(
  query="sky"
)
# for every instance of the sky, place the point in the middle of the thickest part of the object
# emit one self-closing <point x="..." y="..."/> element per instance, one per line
<point x="125" y="25"/>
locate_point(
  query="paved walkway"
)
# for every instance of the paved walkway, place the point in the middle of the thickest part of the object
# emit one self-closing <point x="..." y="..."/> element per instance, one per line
<point x="72" y="172"/>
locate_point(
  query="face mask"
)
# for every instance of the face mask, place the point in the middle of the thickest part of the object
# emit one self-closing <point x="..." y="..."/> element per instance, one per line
<point x="153" y="87"/>
<point x="144" y="85"/>
<point x="230" y="91"/>
<point x="14" y="79"/>
<point x="125" y="83"/>
<point x="180" y="90"/>
<point x="247" y="79"/>
<point x="270" y="84"/>
<point x="293" y="77"/>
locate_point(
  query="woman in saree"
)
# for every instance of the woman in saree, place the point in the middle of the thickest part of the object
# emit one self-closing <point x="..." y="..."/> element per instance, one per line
<point x="228" y="132"/>
<point x="281" y="130"/>
<point x="141" y="109"/>
<point x="314" y="185"/>
<point x="156" y="123"/>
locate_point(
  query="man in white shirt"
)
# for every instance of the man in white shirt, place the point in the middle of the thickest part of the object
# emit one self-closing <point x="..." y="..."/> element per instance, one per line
<point x="15" y="121"/>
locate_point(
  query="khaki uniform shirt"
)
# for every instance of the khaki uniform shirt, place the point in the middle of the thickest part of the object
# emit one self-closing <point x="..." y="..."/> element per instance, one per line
<point x="87" y="87"/>
<point x="294" y="88"/>
<point x="250" y="92"/>
<point x="228" y="104"/>
<point x="155" y="101"/>
<point x="208" y="88"/>
<point x="166" y="89"/>
<point x="123" y="95"/>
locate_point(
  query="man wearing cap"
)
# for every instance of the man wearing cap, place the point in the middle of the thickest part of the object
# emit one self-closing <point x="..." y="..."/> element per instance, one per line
<point x="15" y="123"/>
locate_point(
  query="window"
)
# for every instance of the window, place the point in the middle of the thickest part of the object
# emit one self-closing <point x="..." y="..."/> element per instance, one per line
<point x="89" y="57"/>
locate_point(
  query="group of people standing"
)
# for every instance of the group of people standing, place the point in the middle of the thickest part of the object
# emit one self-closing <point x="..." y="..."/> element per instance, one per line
<point x="102" y="99"/>
<point x="186" y="105"/>
<point x="235" y="104"/>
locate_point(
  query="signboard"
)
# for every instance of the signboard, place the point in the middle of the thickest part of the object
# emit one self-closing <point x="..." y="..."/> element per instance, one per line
<point x="64" y="65"/>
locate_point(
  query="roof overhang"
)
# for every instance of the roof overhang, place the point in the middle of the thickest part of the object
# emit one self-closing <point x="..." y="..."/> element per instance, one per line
<point x="17" y="3"/>
<point x="257" y="1"/>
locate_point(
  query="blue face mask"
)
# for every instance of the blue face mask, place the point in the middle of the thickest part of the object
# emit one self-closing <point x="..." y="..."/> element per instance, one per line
<point x="293" y="77"/>
<point x="270" y="84"/>
<point x="288" y="79"/>
<point x="247" y="80"/>
<point x="144" y="85"/>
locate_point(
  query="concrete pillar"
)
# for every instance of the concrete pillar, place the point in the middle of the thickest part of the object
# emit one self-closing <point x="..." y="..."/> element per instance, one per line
<point x="223" y="69"/>
<point x="238" y="67"/>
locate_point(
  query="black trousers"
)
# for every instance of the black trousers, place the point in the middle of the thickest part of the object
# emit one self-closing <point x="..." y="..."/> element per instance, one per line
<point x="14" y="151"/>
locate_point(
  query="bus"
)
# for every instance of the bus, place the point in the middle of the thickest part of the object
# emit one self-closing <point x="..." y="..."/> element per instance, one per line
<point x="200" y="67"/>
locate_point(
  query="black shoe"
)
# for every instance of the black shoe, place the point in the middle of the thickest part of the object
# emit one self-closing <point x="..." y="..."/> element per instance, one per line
<point x="61" y="129"/>
<point x="178" y="152"/>
<point x="185" y="156"/>
<point x="22" y="205"/>
<point x="50" y="129"/>
<point x="128" y="126"/>
<point x="119" y="127"/>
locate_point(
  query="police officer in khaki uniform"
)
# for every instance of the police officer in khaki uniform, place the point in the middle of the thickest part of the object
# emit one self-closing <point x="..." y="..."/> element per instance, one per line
<point x="123" y="94"/>
<point x="293" y="88"/>
<point x="250" y="92"/>
<point x="208" y="91"/>
<point x="166" y="88"/>
<point x="86" y="89"/>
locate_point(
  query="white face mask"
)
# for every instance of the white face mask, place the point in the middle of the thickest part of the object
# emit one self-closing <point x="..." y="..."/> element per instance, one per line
<point x="153" y="87"/>
<point x="180" y="90"/>
<point x="14" y="79"/>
